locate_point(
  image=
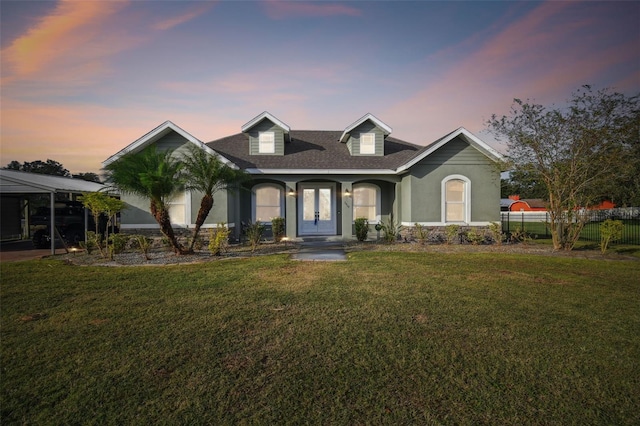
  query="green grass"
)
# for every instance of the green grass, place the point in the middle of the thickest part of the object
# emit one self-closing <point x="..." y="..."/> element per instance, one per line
<point x="385" y="338"/>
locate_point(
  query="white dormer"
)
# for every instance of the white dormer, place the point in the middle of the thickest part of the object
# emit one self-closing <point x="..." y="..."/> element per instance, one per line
<point x="366" y="136"/>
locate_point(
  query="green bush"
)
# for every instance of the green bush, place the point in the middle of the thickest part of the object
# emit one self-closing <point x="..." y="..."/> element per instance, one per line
<point x="278" y="228"/>
<point x="421" y="233"/>
<point x="452" y="232"/>
<point x="219" y="239"/>
<point x="92" y="242"/>
<point x="362" y="228"/>
<point x="143" y="243"/>
<point x="254" y="234"/>
<point x="390" y="230"/>
<point x="610" y="231"/>
<point x="117" y="244"/>
<point x="475" y="236"/>
<point x="495" y="230"/>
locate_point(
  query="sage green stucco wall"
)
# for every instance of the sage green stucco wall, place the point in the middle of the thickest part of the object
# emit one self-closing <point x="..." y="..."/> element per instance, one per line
<point x="421" y="187"/>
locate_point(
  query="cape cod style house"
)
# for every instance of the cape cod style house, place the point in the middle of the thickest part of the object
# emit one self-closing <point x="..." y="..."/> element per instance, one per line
<point x="320" y="180"/>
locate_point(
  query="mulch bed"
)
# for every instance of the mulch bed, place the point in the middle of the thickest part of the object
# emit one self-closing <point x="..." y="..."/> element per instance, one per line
<point x="164" y="256"/>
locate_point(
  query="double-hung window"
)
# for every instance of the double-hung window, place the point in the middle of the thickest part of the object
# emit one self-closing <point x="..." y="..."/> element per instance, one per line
<point x="366" y="202"/>
<point x="267" y="203"/>
<point x="367" y="143"/>
<point x="455" y="200"/>
<point x="266" y="143"/>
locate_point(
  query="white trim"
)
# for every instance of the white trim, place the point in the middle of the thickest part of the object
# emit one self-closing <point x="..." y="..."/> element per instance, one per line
<point x="246" y="127"/>
<point x="467" y="199"/>
<point x="156" y="134"/>
<point x="253" y="199"/>
<point x="387" y="130"/>
<point x="321" y="171"/>
<point x="445" y="224"/>
<point x="372" y="136"/>
<point x="334" y="216"/>
<point x="378" y="200"/>
<point x="263" y="143"/>
<point x="471" y="139"/>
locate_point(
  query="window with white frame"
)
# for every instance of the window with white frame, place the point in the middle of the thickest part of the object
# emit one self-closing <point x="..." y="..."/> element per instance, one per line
<point x="268" y="202"/>
<point x="367" y="143"/>
<point x="366" y="202"/>
<point x="266" y="143"/>
<point x="455" y="200"/>
<point x="177" y="209"/>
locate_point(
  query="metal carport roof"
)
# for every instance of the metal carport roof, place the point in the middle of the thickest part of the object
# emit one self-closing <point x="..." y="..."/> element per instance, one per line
<point x="16" y="182"/>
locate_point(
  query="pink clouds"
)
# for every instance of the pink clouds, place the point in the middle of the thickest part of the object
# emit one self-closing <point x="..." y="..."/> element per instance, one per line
<point x="58" y="37"/>
<point x="538" y="56"/>
<point x="292" y="9"/>
<point x="185" y="17"/>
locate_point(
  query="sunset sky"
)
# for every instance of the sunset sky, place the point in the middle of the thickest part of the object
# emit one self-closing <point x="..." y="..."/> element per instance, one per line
<point x="83" y="79"/>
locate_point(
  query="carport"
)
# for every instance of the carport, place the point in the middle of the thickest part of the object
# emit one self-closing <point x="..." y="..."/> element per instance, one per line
<point x="16" y="186"/>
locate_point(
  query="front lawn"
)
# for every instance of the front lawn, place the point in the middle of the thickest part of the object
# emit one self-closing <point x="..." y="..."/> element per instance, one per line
<point x="385" y="338"/>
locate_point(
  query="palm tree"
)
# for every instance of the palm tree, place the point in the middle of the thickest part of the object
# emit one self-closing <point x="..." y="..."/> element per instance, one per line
<point x="154" y="175"/>
<point x="205" y="173"/>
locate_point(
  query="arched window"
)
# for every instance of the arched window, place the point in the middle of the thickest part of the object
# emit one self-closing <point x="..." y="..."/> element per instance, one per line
<point x="366" y="202"/>
<point x="456" y="206"/>
<point x="268" y="202"/>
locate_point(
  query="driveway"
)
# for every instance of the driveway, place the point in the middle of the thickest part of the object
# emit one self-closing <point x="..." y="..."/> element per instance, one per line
<point x="13" y="251"/>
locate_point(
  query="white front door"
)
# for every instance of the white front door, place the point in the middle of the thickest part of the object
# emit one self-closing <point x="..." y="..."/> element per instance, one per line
<point x="317" y="213"/>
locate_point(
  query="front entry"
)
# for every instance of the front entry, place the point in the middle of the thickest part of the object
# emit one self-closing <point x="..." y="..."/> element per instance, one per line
<point x="317" y="209"/>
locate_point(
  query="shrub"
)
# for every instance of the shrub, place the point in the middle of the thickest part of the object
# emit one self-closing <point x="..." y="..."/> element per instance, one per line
<point x="521" y="236"/>
<point x="362" y="228"/>
<point x="143" y="243"/>
<point x="219" y="239"/>
<point x="610" y="231"/>
<point x="117" y="244"/>
<point x="495" y="230"/>
<point x="390" y="230"/>
<point x="254" y="234"/>
<point x="475" y="236"/>
<point x="452" y="232"/>
<point x="198" y="244"/>
<point x="421" y="233"/>
<point x="92" y="242"/>
<point x="278" y="228"/>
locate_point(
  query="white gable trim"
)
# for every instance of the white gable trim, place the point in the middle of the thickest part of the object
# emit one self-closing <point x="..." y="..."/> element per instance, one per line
<point x="472" y="139"/>
<point x="159" y="132"/>
<point x="269" y="117"/>
<point x="387" y="130"/>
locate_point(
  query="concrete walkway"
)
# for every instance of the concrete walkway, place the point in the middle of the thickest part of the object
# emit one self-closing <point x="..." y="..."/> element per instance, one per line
<point x="320" y="251"/>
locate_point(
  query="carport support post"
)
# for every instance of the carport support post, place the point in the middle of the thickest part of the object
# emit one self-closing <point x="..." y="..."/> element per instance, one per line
<point x="52" y="229"/>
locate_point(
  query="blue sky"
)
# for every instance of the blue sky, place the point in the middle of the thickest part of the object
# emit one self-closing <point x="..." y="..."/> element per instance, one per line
<point x="81" y="80"/>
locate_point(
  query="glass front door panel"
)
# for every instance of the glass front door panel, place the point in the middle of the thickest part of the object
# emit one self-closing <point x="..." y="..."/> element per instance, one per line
<point x="308" y="204"/>
<point x="324" y="203"/>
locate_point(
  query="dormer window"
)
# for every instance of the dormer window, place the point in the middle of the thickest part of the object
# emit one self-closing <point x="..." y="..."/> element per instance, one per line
<point x="266" y="143"/>
<point x="367" y="143"/>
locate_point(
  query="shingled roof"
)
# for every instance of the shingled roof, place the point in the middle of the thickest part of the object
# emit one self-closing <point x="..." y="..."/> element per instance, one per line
<point x="315" y="150"/>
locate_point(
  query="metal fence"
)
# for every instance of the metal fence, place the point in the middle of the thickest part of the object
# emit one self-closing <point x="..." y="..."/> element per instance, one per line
<point x="535" y="224"/>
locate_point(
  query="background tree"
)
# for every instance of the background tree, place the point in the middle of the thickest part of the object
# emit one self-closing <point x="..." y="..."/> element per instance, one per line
<point x="523" y="183"/>
<point x="205" y="173"/>
<point x="574" y="151"/>
<point x="88" y="176"/>
<point x="154" y="175"/>
<point x="49" y="167"/>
